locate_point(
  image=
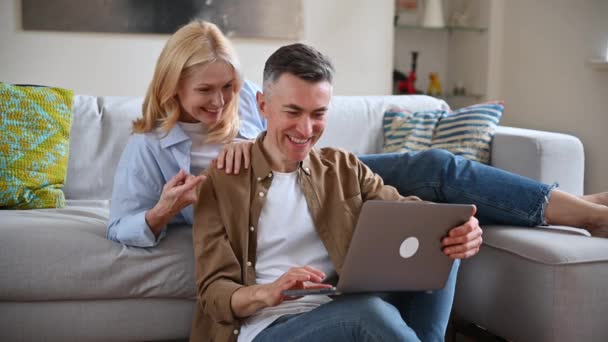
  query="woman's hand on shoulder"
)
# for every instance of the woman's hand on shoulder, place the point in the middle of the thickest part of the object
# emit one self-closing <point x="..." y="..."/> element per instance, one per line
<point x="178" y="193"/>
<point x="235" y="156"/>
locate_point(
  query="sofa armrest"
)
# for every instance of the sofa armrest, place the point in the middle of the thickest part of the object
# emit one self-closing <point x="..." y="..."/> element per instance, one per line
<point x="545" y="156"/>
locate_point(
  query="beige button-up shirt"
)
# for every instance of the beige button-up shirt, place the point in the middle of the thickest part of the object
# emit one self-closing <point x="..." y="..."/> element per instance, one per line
<point x="335" y="184"/>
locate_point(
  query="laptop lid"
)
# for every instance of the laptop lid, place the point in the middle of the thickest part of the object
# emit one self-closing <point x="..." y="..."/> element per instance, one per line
<point x="396" y="246"/>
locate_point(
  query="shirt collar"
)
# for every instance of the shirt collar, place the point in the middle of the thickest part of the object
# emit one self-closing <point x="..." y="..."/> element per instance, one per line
<point x="260" y="160"/>
<point x="175" y="136"/>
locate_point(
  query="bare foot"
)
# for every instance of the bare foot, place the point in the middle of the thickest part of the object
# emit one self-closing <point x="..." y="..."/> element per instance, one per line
<point x="599" y="198"/>
<point x="598" y="226"/>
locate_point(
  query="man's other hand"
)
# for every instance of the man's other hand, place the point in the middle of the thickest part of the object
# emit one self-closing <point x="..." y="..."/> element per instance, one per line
<point x="463" y="241"/>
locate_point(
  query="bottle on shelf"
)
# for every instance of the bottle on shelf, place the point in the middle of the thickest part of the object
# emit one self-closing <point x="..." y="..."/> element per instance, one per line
<point x="410" y="84"/>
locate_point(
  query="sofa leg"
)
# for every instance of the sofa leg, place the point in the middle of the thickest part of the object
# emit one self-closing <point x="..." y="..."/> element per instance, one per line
<point x="460" y="330"/>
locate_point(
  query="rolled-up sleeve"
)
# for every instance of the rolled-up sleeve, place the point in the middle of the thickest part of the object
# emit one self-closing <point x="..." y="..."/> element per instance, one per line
<point x="137" y="187"/>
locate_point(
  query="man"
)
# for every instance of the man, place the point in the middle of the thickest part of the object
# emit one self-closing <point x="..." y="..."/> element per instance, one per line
<point x="286" y="222"/>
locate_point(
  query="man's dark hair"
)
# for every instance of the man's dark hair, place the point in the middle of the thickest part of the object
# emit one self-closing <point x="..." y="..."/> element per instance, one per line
<point x="300" y="60"/>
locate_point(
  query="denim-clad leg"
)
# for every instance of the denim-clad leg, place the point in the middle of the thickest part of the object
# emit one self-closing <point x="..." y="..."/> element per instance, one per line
<point x="437" y="175"/>
<point x="347" y="318"/>
<point x="428" y="313"/>
<point x="440" y="176"/>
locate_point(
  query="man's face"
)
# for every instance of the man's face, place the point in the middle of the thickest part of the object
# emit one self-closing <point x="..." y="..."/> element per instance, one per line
<point x="296" y="112"/>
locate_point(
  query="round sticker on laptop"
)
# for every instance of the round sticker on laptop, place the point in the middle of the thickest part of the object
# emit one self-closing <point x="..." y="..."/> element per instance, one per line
<point x="408" y="247"/>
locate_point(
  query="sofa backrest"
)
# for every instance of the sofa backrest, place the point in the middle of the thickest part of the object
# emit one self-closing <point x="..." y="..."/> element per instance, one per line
<point x="102" y="125"/>
<point x="100" y="129"/>
<point x="355" y="122"/>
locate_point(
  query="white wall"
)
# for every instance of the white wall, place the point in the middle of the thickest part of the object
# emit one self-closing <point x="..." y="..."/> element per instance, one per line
<point x="356" y="34"/>
<point x="545" y="80"/>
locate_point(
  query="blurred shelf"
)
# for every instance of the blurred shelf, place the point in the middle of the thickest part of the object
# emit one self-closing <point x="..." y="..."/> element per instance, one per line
<point x="598" y="63"/>
<point x="466" y="96"/>
<point x="450" y="96"/>
<point x="446" y="28"/>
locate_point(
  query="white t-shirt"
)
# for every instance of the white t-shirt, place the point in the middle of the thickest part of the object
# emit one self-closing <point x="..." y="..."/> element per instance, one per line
<point x="201" y="153"/>
<point x="286" y="238"/>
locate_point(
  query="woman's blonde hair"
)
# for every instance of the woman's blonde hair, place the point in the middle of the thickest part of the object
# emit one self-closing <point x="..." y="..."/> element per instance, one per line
<point x="197" y="43"/>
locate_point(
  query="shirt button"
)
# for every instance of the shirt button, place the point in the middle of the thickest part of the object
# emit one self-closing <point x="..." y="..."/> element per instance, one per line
<point x="249" y="263"/>
<point x="259" y="179"/>
<point x="261" y="194"/>
<point x="307" y="170"/>
<point x="236" y="331"/>
<point x="270" y="175"/>
<point x="251" y="228"/>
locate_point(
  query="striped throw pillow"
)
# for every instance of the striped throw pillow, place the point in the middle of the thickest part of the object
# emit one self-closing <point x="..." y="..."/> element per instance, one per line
<point x="408" y="132"/>
<point x="467" y="132"/>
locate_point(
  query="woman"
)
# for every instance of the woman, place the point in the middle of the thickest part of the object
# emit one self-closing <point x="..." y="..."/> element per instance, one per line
<point x="189" y="113"/>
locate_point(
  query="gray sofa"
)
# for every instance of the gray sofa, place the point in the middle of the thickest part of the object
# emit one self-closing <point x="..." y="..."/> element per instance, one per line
<point x="61" y="280"/>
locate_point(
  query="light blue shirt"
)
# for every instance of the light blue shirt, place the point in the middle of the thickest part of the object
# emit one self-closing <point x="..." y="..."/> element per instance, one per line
<point x="252" y="123"/>
<point x="149" y="161"/>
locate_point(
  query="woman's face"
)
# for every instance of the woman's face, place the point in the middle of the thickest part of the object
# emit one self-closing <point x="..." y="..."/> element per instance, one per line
<point x="205" y="92"/>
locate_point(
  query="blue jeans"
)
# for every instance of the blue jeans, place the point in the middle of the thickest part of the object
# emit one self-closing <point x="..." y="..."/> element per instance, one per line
<point x="436" y="175"/>
<point x="347" y="318"/>
<point x="439" y="176"/>
<point x="405" y="316"/>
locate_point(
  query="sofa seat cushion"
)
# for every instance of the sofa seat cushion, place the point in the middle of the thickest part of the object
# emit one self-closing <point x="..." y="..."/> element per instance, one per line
<point x="552" y="245"/>
<point x="557" y="277"/>
<point x="62" y="254"/>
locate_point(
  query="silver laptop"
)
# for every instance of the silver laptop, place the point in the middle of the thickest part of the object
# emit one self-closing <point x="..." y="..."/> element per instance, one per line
<point x="396" y="246"/>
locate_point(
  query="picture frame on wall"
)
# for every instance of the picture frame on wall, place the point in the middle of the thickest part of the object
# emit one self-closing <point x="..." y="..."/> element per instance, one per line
<point x="272" y="19"/>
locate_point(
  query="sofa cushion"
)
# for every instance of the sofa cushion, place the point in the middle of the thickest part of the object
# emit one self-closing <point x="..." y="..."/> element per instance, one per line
<point x="63" y="254"/>
<point x="551" y="245"/>
<point x="409" y="132"/>
<point x="101" y="128"/>
<point x="466" y="132"/>
<point x="35" y="125"/>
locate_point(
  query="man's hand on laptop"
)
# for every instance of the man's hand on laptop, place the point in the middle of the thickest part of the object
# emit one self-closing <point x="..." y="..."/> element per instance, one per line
<point x="250" y="299"/>
<point x="297" y="278"/>
<point x="463" y="241"/>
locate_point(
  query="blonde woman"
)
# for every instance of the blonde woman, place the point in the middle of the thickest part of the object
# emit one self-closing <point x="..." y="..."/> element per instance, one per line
<point x="190" y="116"/>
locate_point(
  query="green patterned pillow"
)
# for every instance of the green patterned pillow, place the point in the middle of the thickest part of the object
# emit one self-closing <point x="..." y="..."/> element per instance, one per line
<point x="34" y="143"/>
